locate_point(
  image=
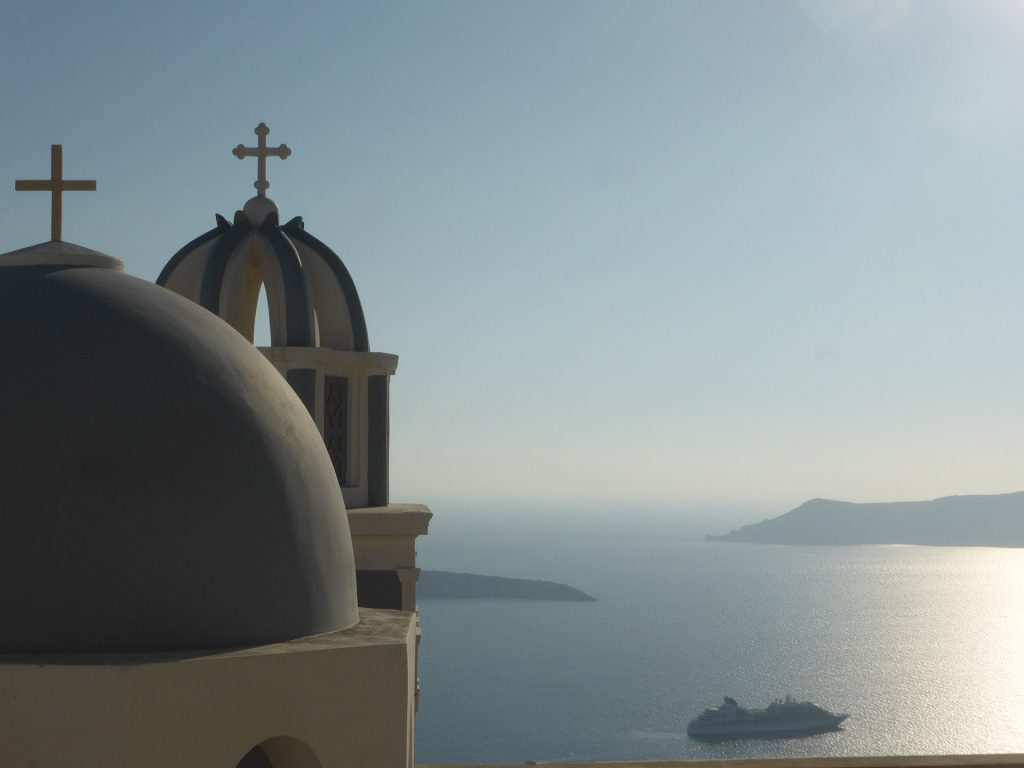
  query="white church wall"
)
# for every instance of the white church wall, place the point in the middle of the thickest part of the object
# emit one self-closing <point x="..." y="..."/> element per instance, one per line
<point x="348" y="696"/>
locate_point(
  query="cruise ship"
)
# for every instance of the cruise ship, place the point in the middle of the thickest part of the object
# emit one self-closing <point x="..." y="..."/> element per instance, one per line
<point x="783" y="717"/>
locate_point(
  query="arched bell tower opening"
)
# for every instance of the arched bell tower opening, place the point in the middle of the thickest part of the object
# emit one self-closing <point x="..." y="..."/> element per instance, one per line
<point x="261" y="326"/>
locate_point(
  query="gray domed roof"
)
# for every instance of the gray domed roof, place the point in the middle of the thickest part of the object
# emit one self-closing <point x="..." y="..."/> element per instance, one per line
<point x="312" y="298"/>
<point x="162" y="487"/>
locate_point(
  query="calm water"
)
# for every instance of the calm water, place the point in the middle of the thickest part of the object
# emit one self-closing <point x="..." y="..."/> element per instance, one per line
<point x="924" y="647"/>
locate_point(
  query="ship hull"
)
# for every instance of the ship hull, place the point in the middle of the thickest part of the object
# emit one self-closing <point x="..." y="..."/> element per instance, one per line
<point x="764" y="730"/>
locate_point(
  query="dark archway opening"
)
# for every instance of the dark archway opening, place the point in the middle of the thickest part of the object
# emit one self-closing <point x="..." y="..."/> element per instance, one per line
<point x="280" y="752"/>
<point x="255" y="758"/>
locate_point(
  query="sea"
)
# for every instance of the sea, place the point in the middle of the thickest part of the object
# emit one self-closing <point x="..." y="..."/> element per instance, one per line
<point x="922" y="646"/>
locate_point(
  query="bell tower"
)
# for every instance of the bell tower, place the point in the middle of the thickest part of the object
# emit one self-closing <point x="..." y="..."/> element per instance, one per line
<point x="319" y="343"/>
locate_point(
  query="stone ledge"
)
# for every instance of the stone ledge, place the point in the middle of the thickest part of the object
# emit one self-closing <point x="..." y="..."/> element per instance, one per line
<point x="375" y="627"/>
<point x="383" y="363"/>
<point x="392" y="520"/>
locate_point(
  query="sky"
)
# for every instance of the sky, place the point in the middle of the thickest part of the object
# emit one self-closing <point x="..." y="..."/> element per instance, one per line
<point x="681" y="256"/>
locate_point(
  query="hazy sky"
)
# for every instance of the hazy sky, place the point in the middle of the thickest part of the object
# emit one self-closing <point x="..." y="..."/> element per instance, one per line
<point x="691" y="253"/>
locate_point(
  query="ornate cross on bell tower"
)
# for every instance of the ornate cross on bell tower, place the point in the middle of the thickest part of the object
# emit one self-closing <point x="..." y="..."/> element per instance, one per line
<point x="55" y="185"/>
<point x="261" y="153"/>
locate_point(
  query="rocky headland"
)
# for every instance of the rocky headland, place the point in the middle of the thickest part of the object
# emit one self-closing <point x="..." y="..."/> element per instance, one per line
<point x="445" y="585"/>
<point x="958" y="521"/>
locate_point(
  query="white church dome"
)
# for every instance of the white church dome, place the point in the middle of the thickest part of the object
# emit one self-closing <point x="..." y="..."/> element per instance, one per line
<point x="162" y="488"/>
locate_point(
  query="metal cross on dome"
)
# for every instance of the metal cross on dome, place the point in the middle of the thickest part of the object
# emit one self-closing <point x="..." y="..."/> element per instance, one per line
<point x="55" y="185"/>
<point x="261" y="153"/>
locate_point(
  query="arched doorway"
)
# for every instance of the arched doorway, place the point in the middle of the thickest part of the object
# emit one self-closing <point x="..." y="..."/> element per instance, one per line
<point x="280" y="752"/>
<point x="255" y="758"/>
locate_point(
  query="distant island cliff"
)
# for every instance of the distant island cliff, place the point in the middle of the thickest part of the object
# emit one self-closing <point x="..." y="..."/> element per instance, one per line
<point x="444" y="585"/>
<point x="964" y="521"/>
